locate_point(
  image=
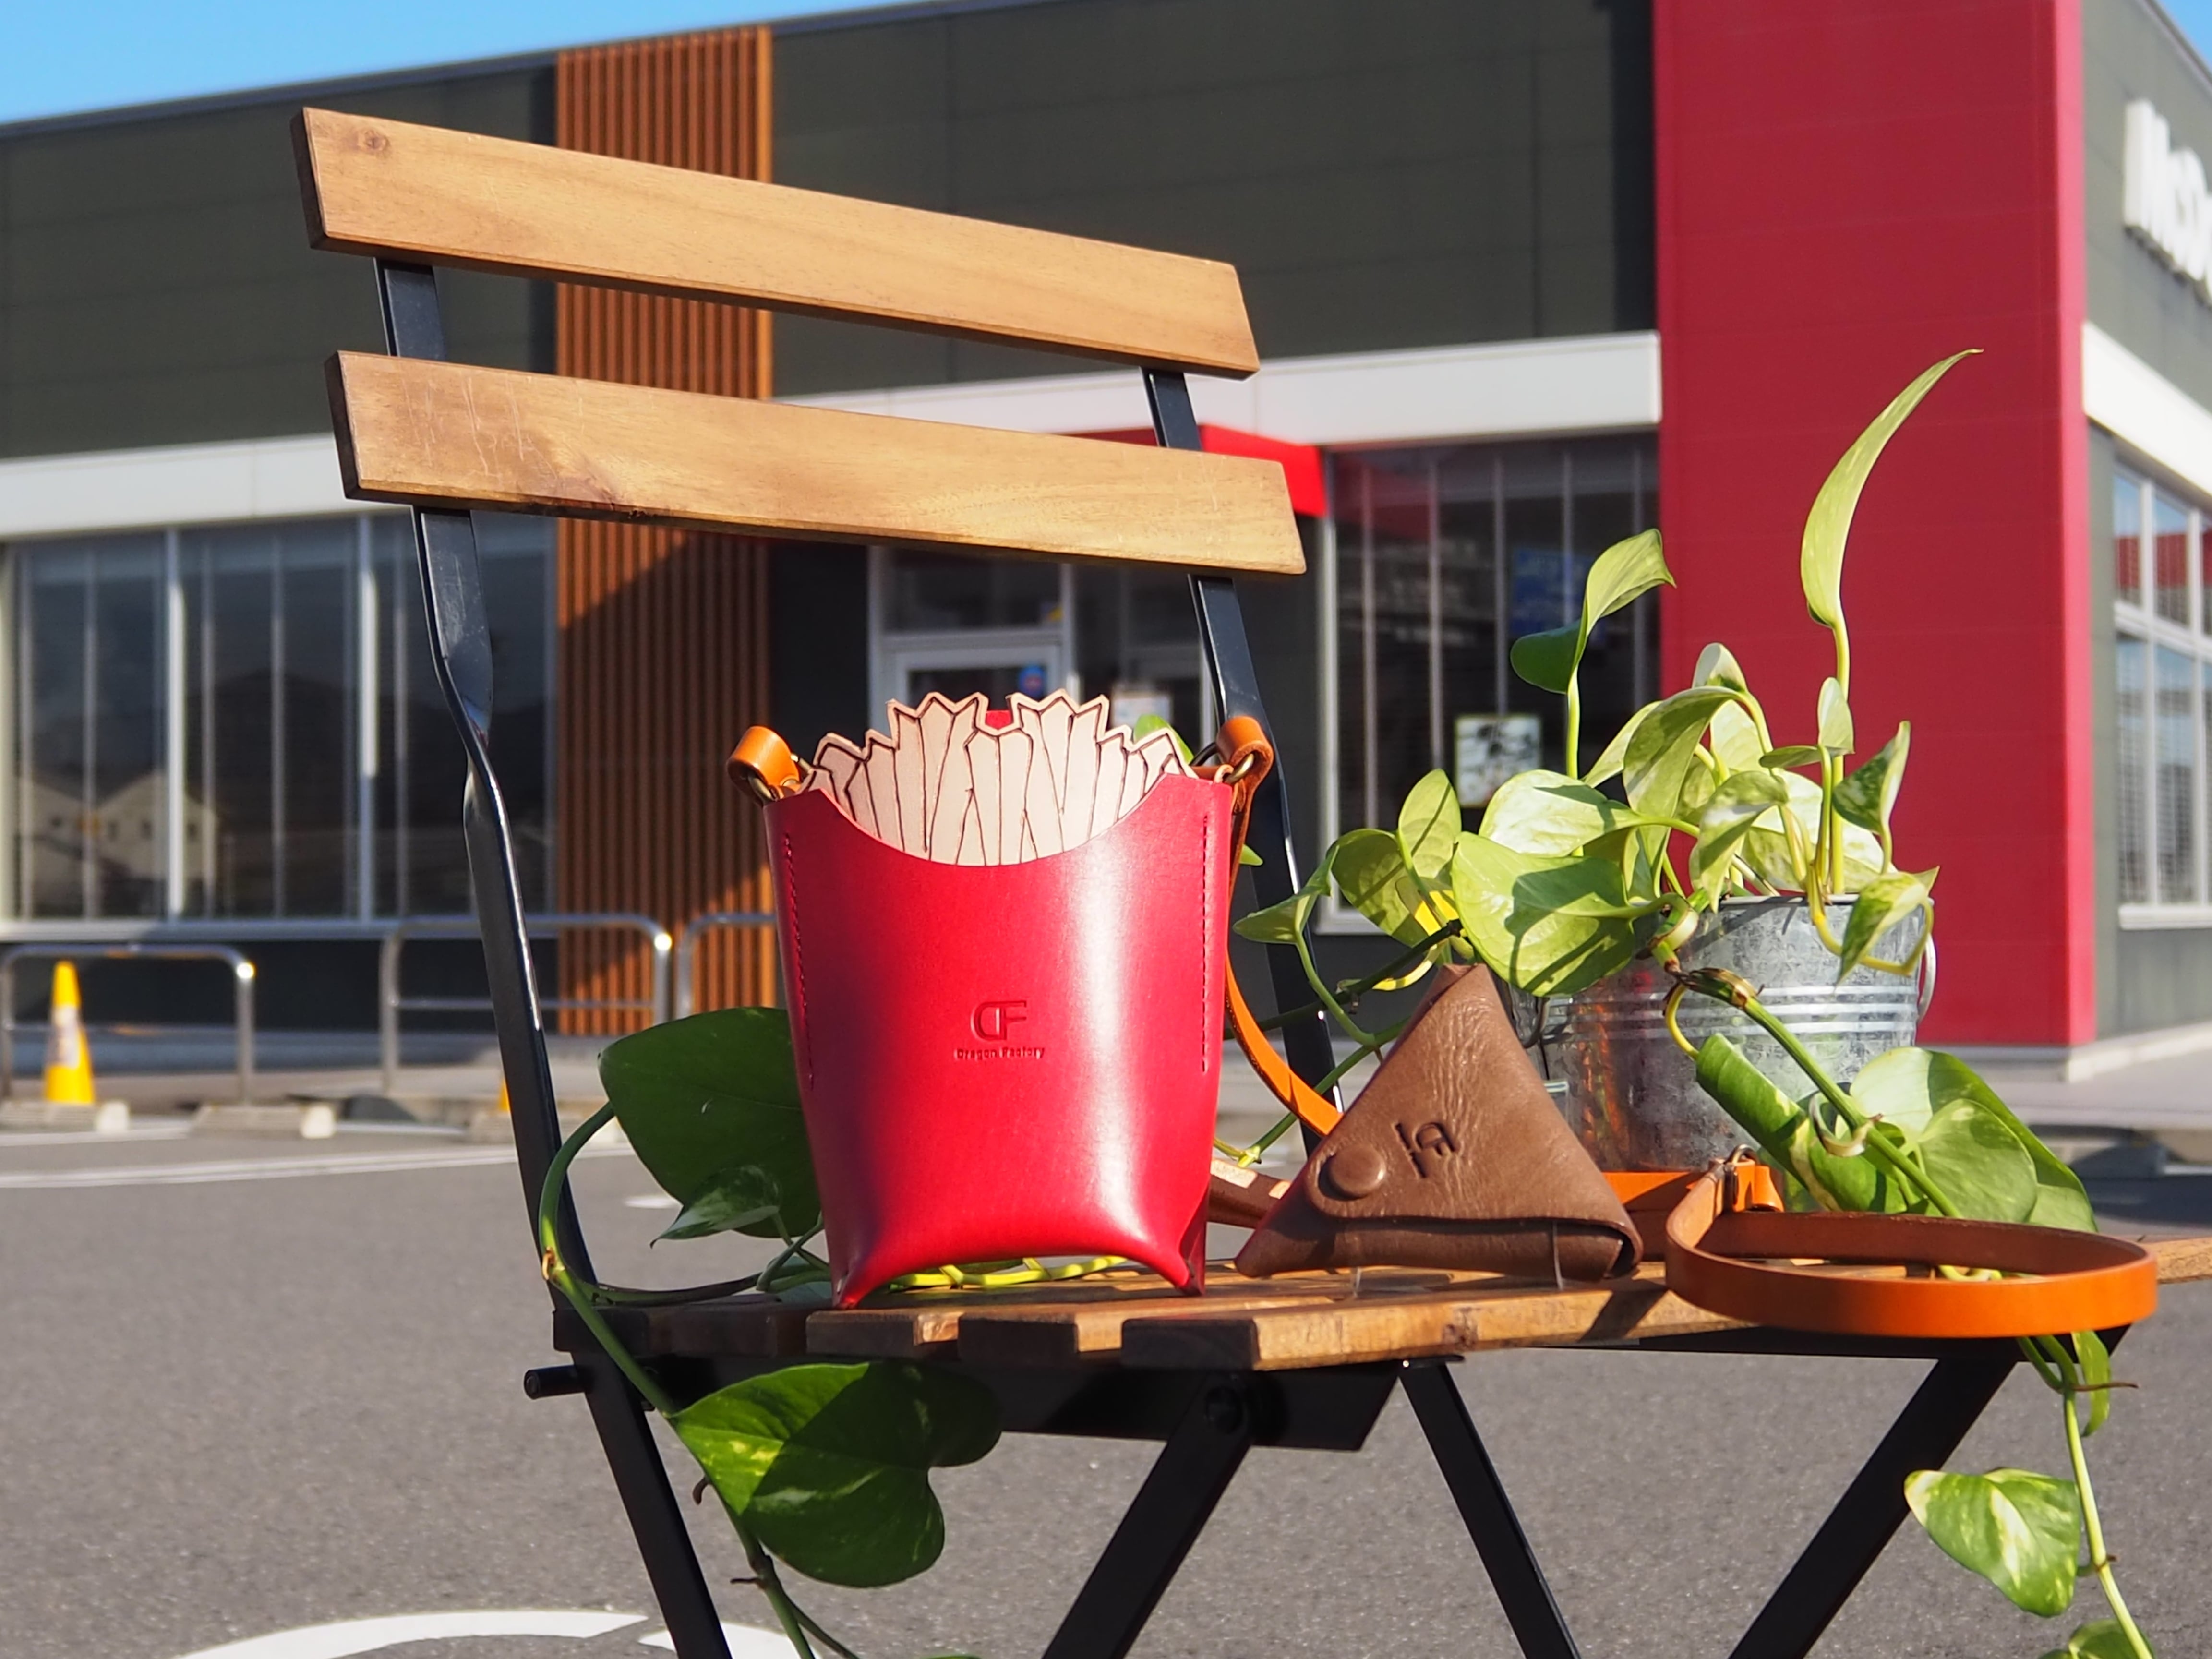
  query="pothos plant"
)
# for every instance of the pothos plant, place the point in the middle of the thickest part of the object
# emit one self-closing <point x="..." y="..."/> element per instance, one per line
<point x="1572" y="874"/>
<point x="821" y="1468"/>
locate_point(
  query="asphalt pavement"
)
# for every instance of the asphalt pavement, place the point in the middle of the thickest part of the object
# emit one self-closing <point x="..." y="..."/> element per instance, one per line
<point x="251" y="1386"/>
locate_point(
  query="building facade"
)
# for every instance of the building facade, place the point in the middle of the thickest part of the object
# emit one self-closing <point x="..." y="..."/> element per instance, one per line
<point x="1527" y="276"/>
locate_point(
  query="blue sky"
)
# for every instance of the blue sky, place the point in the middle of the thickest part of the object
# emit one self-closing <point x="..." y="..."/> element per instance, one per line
<point x="59" y="56"/>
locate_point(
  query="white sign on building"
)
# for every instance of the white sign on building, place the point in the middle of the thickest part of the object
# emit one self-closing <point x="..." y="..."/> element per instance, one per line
<point x="2165" y="197"/>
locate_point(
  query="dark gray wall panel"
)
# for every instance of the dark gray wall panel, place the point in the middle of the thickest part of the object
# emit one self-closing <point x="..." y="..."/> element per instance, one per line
<point x="156" y="286"/>
<point x="1384" y="172"/>
<point x="2128" y="52"/>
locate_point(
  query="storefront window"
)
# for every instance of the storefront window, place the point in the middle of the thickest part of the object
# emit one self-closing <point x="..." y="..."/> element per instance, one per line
<point x="2134" y="791"/>
<point x="958" y="624"/>
<point x="241" y="721"/>
<point x="2127" y="539"/>
<point x="91" y="799"/>
<point x="1444" y="556"/>
<point x="2163" y="669"/>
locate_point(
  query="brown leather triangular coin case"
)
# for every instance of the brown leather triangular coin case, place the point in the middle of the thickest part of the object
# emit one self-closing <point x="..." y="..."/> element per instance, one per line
<point x="1454" y="1157"/>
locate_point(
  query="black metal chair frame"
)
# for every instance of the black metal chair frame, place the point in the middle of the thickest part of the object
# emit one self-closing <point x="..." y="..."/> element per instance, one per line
<point x="1206" y="1421"/>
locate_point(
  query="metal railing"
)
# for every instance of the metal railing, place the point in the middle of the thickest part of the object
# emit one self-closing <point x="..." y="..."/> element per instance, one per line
<point x="687" y="949"/>
<point x="391" y="1004"/>
<point x="242" y="980"/>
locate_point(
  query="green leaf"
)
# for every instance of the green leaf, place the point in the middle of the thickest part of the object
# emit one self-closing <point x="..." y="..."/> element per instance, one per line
<point x="1623" y="574"/>
<point x="1281" y="922"/>
<point x="829" y="1465"/>
<point x="2103" y="1639"/>
<point x="1978" y="1162"/>
<point x="740" y="1198"/>
<point x="1882" y="903"/>
<point x="1245" y="855"/>
<point x="1794" y="754"/>
<point x="1551" y="926"/>
<point x="1371" y="877"/>
<point x="2096" y="1361"/>
<point x="1548" y="660"/>
<point x="1664" y="749"/>
<point x="1828" y="526"/>
<point x="1620" y="576"/>
<point x="1835" y="718"/>
<point x="1717" y="666"/>
<point x="1148" y="723"/>
<point x="1615" y="754"/>
<point x="1908" y="1085"/>
<point x="2019" y="1529"/>
<point x="704" y="1098"/>
<point x="1429" y="826"/>
<point x="1867" y="796"/>
<point x="1734" y="738"/>
<point x="1783" y="1131"/>
<point x="1740" y="801"/>
<point x="1549" y="812"/>
<point x="1766" y="849"/>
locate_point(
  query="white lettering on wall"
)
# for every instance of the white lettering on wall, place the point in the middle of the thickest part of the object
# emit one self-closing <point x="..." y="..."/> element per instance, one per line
<point x="2165" y="197"/>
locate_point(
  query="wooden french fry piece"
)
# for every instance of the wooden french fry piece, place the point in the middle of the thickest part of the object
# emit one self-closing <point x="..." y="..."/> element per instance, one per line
<point x="955" y="785"/>
<point x="1133" y="781"/>
<point x="1157" y="751"/>
<point x="860" y="805"/>
<point x="935" y="718"/>
<point x="984" y="753"/>
<point x="971" y="836"/>
<point x="1112" y="763"/>
<point x="1041" y="807"/>
<point x="1056" y="723"/>
<point x="1017" y="754"/>
<point x="1076" y="799"/>
<point x="883" y="789"/>
<point x="835" y="760"/>
<point x="906" y="772"/>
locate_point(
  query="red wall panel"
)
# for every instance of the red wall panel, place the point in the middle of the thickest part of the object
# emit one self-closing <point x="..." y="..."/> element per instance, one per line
<point x="1847" y="193"/>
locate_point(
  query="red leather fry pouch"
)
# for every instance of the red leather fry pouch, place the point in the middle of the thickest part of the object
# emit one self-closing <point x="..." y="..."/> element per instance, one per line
<point x="1013" y="1060"/>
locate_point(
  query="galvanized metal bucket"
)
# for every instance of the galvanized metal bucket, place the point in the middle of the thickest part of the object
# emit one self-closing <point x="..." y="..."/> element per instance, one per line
<point x="1631" y="1095"/>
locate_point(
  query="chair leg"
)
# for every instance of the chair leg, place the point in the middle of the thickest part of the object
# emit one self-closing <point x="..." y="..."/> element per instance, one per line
<point x="1172" y="1509"/>
<point x="1946" y="1406"/>
<point x="1538" y="1624"/>
<point x="641" y="1479"/>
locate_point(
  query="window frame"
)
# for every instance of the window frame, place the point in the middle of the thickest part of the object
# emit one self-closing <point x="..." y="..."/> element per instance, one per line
<point x="369" y="608"/>
<point x="2187" y="638"/>
<point x="1332" y="916"/>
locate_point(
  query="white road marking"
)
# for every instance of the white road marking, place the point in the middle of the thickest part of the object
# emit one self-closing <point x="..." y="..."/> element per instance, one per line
<point x="270" y="1168"/>
<point x="651" y="1201"/>
<point x="351" y="1636"/>
<point x="92" y="1136"/>
<point x="745" y="1643"/>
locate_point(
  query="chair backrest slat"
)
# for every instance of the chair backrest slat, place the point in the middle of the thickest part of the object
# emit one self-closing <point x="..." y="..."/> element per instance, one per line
<point x="449" y="435"/>
<point x="432" y="196"/>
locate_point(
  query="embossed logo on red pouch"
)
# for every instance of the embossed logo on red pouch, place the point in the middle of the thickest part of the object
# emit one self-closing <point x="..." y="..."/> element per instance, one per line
<point x="992" y="1021"/>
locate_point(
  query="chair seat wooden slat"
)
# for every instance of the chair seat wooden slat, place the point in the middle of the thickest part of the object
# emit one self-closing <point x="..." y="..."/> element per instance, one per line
<point x="1297" y="1320"/>
<point x="431" y="195"/>
<point x="450" y="435"/>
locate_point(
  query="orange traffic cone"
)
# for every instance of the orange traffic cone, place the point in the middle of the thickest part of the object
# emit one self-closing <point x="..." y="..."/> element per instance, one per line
<point x="69" y="1060"/>
<point x="69" y="1057"/>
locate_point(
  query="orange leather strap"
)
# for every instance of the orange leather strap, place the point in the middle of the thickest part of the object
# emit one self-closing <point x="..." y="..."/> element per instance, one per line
<point x="1246" y="755"/>
<point x="1738" y="1262"/>
<point x="762" y="762"/>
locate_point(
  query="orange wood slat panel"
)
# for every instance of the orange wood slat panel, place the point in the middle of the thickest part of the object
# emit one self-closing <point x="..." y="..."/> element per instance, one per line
<point x="663" y="634"/>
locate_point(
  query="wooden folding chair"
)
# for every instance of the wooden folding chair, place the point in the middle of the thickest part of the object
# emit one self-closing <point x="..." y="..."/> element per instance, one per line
<point x="443" y="438"/>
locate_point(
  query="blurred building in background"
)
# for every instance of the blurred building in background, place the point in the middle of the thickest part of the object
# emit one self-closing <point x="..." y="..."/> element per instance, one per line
<point x="1527" y="276"/>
